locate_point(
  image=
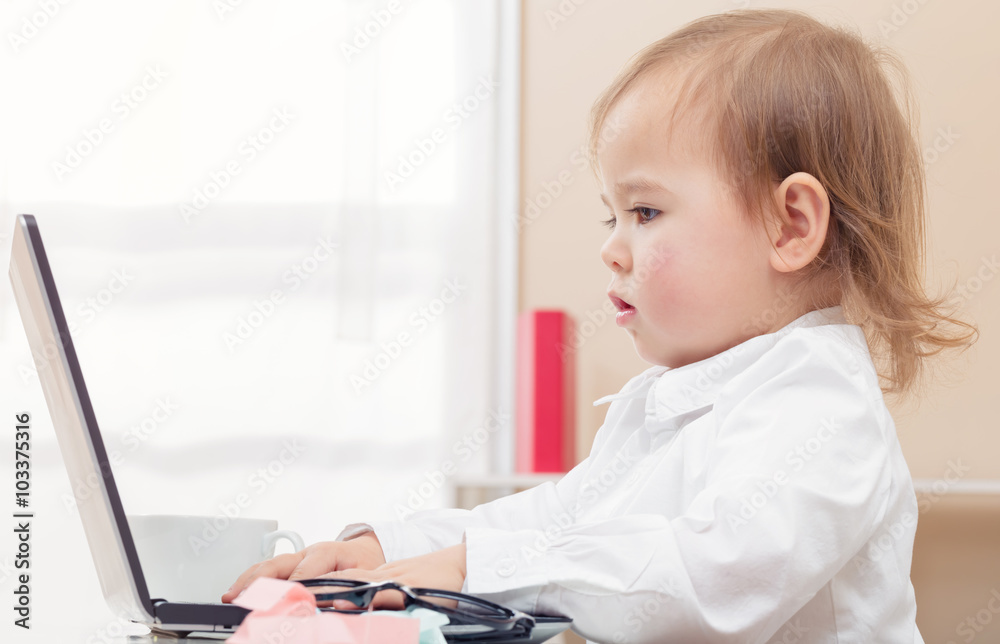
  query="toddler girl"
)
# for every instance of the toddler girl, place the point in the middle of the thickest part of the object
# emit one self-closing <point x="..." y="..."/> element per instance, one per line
<point x="766" y="202"/>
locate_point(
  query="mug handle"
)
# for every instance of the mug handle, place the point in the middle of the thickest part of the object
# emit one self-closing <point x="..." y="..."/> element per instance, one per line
<point x="271" y="538"/>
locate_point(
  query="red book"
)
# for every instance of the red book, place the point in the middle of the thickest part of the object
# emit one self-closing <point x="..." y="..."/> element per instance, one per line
<point x="546" y="392"/>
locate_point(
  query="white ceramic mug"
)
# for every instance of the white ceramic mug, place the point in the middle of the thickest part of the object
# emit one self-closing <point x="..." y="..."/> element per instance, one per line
<point x="196" y="559"/>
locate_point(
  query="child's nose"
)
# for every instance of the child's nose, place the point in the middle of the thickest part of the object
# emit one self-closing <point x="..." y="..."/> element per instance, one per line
<point x="614" y="253"/>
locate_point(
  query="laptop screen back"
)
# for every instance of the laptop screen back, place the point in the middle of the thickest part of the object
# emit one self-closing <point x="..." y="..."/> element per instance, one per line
<point x="76" y="429"/>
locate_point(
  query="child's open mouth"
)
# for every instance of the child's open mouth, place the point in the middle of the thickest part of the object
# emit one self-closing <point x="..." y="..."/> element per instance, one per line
<point x="625" y="310"/>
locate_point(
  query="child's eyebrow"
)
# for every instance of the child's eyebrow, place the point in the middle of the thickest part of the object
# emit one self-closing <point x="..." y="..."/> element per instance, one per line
<point x="640" y="184"/>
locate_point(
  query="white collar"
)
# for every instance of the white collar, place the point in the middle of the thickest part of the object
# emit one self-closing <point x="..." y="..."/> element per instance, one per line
<point x="672" y="394"/>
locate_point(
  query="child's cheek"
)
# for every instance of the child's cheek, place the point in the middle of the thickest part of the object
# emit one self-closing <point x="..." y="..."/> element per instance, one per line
<point x="671" y="290"/>
<point x="651" y="270"/>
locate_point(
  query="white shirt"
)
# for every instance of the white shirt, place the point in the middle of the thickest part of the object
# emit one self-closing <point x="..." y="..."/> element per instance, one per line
<point x="759" y="495"/>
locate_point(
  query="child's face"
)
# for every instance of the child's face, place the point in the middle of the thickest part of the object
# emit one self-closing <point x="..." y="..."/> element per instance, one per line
<point x="695" y="271"/>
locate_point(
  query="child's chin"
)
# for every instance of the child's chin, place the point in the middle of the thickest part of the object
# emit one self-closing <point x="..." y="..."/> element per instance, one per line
<point x="645" y="353"/>
<point x="659" y="358"/>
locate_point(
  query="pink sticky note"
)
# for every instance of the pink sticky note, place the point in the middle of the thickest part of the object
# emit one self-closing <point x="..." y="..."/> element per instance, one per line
<point x="266" y="629"/>
<point x="285" y="611"/>
<point x="268" y="596"/>
<point x="327" y="628"/>
<point x="375" y="629"/>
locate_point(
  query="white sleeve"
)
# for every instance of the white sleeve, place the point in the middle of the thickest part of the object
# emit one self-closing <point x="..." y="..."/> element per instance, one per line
<point x="763" y="535"/>
<point x="426" y="531"/>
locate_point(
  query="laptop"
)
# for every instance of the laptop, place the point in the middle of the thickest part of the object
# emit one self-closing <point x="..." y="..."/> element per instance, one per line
<point x="84" y="455"/>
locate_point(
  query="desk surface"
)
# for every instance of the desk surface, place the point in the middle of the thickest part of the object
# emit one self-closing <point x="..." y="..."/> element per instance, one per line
<point x="154" y="638"/>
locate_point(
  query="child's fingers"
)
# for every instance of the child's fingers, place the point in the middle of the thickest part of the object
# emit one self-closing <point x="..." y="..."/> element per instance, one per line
<point x="349" y="573"/>
<point x="279" y="567"/>
<point x="389" y="600"/>
<point x="384" y="599"/>
<point x="355" y="574"/>
<point x="317" y="562"/>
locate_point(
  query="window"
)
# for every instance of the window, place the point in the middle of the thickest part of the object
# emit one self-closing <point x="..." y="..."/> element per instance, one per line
<point x="285" y="233"/>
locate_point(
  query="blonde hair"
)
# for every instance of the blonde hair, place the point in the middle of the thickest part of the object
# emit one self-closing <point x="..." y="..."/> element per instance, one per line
<point x="786" y="93"/>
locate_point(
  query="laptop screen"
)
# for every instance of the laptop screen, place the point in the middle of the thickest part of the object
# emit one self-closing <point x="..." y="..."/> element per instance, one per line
<point x="76" y="429"/>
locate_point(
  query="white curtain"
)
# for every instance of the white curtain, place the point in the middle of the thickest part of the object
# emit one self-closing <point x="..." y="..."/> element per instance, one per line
<point x="284" y="233"/>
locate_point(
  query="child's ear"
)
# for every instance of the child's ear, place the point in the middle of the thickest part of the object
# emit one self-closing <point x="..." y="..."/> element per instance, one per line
<point x="799" y="229"/>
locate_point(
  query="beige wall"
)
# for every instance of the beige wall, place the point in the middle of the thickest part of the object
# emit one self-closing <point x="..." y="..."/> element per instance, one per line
<point x="952" y="50"/>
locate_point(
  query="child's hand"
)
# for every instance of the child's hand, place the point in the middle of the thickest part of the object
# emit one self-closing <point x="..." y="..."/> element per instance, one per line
<point x="441" y="570"/>
<point x="363" y="552"/>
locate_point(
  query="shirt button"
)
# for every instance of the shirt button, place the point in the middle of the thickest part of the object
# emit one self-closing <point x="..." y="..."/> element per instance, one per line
<point x="507" y="567"/>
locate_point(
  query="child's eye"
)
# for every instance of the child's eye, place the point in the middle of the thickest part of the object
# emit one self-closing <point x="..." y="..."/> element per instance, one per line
<point x="645" y="214"/>
<point x="610" y="223"/>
